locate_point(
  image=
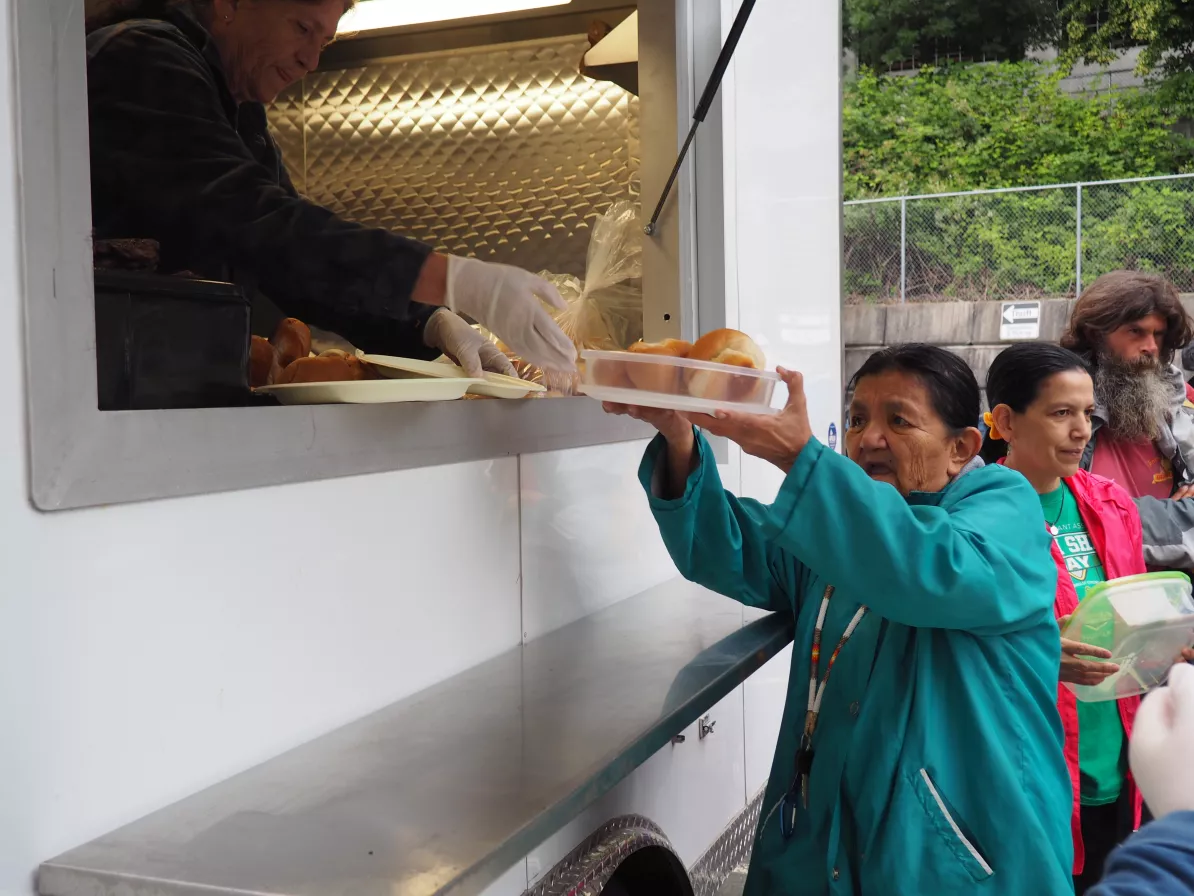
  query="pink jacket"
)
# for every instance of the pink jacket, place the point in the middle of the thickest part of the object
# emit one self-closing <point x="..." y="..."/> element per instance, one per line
<point x="1113" y="524"/>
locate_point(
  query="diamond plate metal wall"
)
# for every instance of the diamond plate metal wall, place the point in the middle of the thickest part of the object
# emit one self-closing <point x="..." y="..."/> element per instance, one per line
<point x="505" y="152"/>
<point x="730" y="851"/>
<point x="286" y="120"/>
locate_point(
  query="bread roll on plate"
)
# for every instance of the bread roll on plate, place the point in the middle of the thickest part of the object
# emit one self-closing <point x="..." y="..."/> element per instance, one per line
<point x="733" y="349"/>
<point x="657" y="377"/>
<point x="292" y="339"/>
<point x="264" y="368"/>
<point x="326" y="369"/>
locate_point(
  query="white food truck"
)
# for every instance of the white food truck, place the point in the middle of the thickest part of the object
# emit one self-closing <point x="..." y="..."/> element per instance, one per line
<point x="406" y="649"/>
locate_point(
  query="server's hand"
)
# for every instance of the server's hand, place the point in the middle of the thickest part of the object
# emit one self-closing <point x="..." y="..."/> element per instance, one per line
<point x="464" y="345"/>
<point x="509" y="303"/>
<point x="1161" y="742"/>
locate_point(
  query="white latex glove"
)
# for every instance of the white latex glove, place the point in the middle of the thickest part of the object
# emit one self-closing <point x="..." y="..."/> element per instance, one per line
<point x="506" y="301"/>
<point x="464" y="345"/>
<point x="1162" y="740"/>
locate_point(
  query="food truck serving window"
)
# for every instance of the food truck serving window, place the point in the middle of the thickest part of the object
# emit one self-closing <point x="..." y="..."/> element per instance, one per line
<point x="481" y="139"/>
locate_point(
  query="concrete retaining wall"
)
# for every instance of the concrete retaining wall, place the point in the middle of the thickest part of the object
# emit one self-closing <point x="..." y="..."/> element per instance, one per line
<point x="971" y="329"/>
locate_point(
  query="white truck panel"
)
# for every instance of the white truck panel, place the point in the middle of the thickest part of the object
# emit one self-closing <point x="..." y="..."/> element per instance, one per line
<point x="159" y="648"/>
<point x="588" y="537"/>
<point x="149" y="650"/>
<point x="782" y="147"/>
<point x="691" y="790"/>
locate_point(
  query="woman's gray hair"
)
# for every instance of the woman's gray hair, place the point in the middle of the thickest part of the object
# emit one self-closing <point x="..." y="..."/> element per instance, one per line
<point x="112" y="11"/>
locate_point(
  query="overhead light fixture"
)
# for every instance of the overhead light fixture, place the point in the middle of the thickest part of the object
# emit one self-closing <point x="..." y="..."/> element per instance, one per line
<point x="373" y="15"/>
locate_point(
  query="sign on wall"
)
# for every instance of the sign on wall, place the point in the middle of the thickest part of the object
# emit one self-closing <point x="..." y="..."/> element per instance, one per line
<point x="1020" y="321"/>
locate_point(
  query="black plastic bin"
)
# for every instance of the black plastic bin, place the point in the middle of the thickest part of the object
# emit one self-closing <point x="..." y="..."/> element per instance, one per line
<point x="169" y="342"/>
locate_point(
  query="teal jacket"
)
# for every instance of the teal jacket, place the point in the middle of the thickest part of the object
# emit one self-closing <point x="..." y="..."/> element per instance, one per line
<point x="937" y="762"/>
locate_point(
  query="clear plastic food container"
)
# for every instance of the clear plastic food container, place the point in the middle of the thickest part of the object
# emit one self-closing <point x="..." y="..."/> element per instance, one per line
<point x="1144" y="621"/>
<point x="678" y="384"/>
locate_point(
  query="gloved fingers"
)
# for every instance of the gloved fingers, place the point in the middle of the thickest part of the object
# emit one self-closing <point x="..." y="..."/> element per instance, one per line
<point x="1163" y="729"/>
<point x="433" y="329"/>
<point x="1180" y="679"/>
<point x="541" y="342"/>
<point x="562" y="347"/>
<point x="450" y="334"/>
<point x="549" y="359"/>
<point x="494" y="359"/>
<point x="1152" y="724"/>
<point x="535" y="352"/>
<point x="469" y="360"/>
<point x="547" y="292"/>
<point x="1180" y="710"/>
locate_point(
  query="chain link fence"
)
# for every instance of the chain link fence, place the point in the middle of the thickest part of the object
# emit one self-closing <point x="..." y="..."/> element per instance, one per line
<point x="1030" y="242"/>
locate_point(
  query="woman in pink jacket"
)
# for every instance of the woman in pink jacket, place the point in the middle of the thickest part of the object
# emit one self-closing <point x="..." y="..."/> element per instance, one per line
<point x="1041" y="398"/>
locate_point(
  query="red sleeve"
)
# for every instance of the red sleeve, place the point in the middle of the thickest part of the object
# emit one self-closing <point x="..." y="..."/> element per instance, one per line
<point x="1133" y="558"/>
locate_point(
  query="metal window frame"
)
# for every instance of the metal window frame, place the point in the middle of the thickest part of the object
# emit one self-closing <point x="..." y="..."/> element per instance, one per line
<point x="80" y="456"/>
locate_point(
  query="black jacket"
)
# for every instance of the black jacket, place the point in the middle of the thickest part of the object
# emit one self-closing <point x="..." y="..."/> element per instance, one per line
<point x="174" y="158"/>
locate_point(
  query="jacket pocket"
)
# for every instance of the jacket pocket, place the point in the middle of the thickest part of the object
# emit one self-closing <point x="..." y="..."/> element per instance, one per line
<point x="943" y="821"/>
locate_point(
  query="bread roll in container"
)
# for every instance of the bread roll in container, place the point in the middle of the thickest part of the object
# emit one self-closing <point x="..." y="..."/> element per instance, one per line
<point x="676" y="383"/>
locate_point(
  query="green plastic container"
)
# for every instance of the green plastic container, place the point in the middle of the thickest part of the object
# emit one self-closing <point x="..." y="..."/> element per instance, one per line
<point x="1144" y="621"/>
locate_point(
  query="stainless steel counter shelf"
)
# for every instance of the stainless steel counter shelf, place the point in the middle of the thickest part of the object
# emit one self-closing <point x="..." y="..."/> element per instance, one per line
<point x="443" y="792"/>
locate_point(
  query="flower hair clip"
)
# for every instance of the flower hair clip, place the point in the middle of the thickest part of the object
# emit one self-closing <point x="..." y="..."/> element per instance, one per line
<point x="994" y="432"/>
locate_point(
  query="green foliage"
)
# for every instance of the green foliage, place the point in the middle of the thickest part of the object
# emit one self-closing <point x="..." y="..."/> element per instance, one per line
<point x="1093" y="29"/>
<point x="883" y="32"/>
<point x="1001" y="125"/>
<point x="1008" y="125"/>
<point x="1145" y="227"/>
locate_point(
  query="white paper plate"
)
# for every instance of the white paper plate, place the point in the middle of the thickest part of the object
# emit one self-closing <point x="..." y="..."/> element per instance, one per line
<point x="370" y="391"/>
<point x="494" y="385"/>
<point x="682" y="403"/>
<point x="497" y="386"/>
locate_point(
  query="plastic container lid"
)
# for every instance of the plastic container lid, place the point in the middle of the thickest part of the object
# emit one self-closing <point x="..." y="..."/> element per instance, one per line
<point x="677" y="384"/>
<point x="1144" y="621"/>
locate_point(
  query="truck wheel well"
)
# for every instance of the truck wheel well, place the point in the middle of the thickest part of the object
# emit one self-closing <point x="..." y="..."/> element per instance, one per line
<point x="651" y="871"/>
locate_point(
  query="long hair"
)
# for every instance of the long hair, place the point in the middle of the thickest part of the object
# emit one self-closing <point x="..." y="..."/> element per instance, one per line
<point x="1122" y="297"/>
<point x="1015" y="379"/>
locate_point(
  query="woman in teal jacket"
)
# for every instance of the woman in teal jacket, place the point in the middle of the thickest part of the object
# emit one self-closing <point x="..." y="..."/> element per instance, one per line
<point x="921" y="751"/>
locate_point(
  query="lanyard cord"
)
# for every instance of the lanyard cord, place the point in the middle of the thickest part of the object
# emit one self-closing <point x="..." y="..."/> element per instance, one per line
<point x="816" y="691"/>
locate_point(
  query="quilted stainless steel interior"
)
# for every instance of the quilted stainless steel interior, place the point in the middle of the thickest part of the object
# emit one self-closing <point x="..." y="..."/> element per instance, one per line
<point x="505" y="152"/>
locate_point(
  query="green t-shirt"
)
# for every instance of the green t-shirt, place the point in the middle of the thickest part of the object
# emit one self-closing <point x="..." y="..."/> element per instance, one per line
<point x="1101" y="759"/>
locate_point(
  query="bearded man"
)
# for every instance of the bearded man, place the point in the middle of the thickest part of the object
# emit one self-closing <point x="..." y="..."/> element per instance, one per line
<point x="1130" y="325"/>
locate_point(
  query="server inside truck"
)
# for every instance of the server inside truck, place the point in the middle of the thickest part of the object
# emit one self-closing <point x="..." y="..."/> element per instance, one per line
<point x="187" y="180"/>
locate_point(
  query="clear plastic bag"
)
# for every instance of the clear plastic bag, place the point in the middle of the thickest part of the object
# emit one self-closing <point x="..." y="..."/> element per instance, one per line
<point x="605" y="310"/>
